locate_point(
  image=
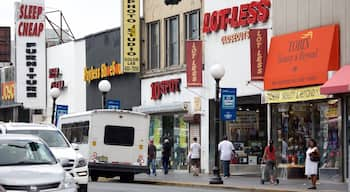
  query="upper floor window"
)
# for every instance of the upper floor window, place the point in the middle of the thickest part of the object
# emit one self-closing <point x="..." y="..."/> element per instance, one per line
<point x="192" y="25"/>
<point x="172" y="41"/>
<point x="153" y="45"/>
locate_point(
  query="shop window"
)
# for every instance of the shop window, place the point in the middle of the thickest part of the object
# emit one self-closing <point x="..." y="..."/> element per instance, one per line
<point x="294" y="124"/>
<point x="172" y="41"/>
<point x="76" y="132"/>
<point x="153" y="45"/>
<point x="192" y="25"/>
<point x="248" y="135"/>
<point x="119" y="135"/>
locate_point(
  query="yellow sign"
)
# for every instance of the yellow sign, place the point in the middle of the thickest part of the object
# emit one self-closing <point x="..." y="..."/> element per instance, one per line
<point x="197" y="104"/>
<point x="293" y="95"/>
<point x="131" y="36"/>
<point x="103" y="71"/>
<point x="8" y="91"/>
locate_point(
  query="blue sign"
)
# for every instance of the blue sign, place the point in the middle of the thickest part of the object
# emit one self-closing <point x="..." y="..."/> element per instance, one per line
<point x="113" y="104"/>
<point x="60" y="110"/>
<point x="228" y="104"/>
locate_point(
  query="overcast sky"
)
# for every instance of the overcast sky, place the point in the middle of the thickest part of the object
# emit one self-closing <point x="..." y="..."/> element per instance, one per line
<point x="83" y="16"/>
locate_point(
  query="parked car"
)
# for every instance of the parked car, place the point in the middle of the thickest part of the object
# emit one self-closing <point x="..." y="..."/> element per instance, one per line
<point x="58" y="144"/>
<point x="27" y="164"/>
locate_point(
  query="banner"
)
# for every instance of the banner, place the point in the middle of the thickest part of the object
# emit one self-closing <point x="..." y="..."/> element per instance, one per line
<point x="194" y="63"/>
<point x="228" y="104"/>
<point x="60" y="110"/>
<point x="293" y="95"/>
<point x="258" y="53"/>
<point x="113" y="104"/>
<point x="5" y="44"/>
<point x="30" y="54"/>
<point x="131" y="36"/>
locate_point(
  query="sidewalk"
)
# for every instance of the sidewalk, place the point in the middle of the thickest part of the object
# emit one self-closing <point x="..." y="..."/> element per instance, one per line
<point x="246" y="183"/>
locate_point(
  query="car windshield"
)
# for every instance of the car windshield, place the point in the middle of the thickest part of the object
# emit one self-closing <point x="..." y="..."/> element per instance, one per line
<point x="23" y="152"/>
<point x="52" y="137"/>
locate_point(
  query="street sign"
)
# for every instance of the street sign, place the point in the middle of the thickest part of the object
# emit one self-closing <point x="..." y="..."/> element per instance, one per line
<point x="113" y="104"/>
<point x="60" y="110"/>
<point x="228" y="104"/>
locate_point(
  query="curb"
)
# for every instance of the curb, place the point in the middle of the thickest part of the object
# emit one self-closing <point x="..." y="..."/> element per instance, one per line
<point x="212" y="186"/>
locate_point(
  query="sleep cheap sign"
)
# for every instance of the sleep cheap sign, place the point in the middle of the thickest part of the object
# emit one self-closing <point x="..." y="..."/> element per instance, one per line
<point x="228" y="104"/>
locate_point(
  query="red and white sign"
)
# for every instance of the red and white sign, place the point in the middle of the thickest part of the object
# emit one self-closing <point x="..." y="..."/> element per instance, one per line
<point x="30" y="53"/>
<point x="237" y="16"/>
<point x="258" y="53"/>
<point x="194" y="63"/>
<point x="161" y="88"/>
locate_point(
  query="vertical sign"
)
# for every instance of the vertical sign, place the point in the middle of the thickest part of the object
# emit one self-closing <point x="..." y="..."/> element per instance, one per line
<point x="5" y="44"/>
<point x="194" y="63"/>
<point x="228" y="104"/>
<point x="258" y="53"/>
<point x="30" y="53"/>
<point x="60" y="110"/>
<point x="131" y="36"/>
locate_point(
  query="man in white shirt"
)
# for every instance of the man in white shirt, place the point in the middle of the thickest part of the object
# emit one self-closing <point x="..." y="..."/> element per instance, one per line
<point x="226" y="150"/>
<point x="195" y="156"/>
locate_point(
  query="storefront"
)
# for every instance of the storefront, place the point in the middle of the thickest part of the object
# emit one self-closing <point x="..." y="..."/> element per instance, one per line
<point x="235" y="38"/>
<point x="297" y="65"/>
<point x="175" y="115"/>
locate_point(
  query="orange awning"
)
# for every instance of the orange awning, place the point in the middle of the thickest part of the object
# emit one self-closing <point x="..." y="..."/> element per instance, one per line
<point x="302" y="58"/>
<point x="339" y="83"/>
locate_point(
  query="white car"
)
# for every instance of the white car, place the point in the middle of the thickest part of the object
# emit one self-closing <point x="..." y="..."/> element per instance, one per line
<point x="27" y="164"/>
<point x="59" y="145"/>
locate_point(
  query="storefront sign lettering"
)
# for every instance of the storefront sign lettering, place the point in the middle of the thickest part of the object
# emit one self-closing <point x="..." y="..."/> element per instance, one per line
<point x="103" y="71"/>
<point x="293" y="95"/>
<point x="30" y="28"/>
<point x="235" y="37"/>
<point x="8" y="91"/>
<point x="31" y="81"/>
<point x="235" y="17"/>
<point x="258" y="53"/>
<point x="54" y="73"/>
<point x="161" y="88"/>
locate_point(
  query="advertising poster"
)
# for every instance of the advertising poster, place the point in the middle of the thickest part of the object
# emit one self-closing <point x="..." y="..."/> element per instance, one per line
<point x="228" y="104"/>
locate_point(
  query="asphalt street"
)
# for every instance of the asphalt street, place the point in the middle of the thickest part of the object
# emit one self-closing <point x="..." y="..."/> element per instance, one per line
<point x="137" y="187"/>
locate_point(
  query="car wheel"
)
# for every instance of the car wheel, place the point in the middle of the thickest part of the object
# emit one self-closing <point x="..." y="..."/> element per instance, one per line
<point x="94" y="178"/>
<point x="127" y="178"/>
<point x="83" y="188"/>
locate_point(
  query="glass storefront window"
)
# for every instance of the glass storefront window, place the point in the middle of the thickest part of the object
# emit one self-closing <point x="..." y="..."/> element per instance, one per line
<point x="175" y="129"/>
<point x="248" y="134"/>
<point x="293" y="124"/>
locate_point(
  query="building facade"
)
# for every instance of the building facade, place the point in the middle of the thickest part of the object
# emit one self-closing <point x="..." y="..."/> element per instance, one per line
<point x="164" y="91"/>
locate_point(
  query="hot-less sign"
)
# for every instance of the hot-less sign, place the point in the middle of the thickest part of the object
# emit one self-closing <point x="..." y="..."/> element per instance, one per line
<point x="160" y="88"/>
<point x="235" y="17"/>
<point x="194" y="63"/>
<point x="258" y="53"/>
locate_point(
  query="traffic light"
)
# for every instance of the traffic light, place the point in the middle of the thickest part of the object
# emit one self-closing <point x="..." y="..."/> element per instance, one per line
<point x="171" y="2"/>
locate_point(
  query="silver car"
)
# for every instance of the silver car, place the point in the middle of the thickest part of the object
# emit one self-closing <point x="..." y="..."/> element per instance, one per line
<point x="27" y="164"/>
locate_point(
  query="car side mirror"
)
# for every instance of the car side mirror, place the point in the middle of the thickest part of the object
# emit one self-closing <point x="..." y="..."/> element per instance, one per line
<point x="75" y="146"/>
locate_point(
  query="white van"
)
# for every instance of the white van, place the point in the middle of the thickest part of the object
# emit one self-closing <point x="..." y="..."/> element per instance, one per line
<point x="114" y="141"/>
<point x="58" y="144"/>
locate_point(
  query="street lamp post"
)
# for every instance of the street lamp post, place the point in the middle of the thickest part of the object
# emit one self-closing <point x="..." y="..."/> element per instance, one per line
<point x="54" y="93"/>
<point x="104" y="86"/>
<point x="217" y="71"/>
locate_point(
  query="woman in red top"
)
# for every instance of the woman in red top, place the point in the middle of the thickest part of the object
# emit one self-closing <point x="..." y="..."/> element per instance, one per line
<point x="270" y="159"/>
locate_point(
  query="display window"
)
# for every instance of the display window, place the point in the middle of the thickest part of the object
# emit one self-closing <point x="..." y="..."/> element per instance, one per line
<point x="293" y="124"/>
<point x="248" y="134"/>
<point x="174" y="128"/>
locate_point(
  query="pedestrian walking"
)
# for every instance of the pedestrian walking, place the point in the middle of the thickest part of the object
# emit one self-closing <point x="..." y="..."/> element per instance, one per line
<point x="270" y="158"/>
<point x="151" y="160"/>
<point x="195" y="155"/>
<point x="311" y="162"/>
<point x="166" y="155"/>
<point x="226" y="150"/>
